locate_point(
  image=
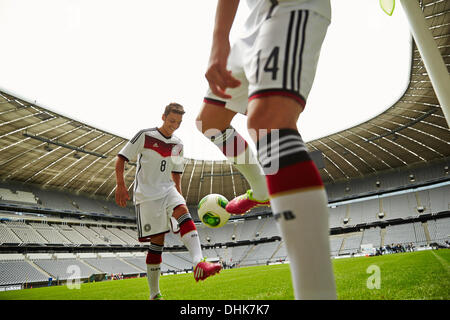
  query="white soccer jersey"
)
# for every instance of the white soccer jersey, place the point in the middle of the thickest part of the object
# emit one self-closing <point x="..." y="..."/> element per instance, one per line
<point x="157" y="157"/>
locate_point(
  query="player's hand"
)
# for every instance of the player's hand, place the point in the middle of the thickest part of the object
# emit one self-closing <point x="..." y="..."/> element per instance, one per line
<point x="219" y="78"/>
<point x="122" y="196"/>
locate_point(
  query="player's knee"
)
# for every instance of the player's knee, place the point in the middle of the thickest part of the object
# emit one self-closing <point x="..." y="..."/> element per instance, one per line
<point x="259" y="124"/>
<point x="205" y="124"/>
<point x="179" y="211"/>
<point x="213" y="118"/>
<point x="207" y="127"/>
<point x="270" y="113"/>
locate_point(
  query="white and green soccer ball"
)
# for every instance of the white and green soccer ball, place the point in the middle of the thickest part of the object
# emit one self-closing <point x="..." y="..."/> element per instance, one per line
<point x="211" y="210"/>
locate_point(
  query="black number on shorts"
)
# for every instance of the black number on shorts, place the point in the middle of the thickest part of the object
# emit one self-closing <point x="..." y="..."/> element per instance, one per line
<point x="271" y="63"/>
<point x="163" y="166"/>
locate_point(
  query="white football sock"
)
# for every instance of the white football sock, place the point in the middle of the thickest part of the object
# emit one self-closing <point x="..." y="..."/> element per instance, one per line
<point x="189" y="237"/>
<point x="299" y="205"/>
<point x="254" y="175"/>
<point x="303" y="222"/>
<point x="192" y="242"/>
<point x="153" y="275"/>
<point x="238" y="152"/>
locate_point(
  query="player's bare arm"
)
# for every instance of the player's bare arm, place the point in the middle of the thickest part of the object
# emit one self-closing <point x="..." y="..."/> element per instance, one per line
<point x="176" y="177"/>
<point x="121" y="189"/>
<point x="219" y="78"/>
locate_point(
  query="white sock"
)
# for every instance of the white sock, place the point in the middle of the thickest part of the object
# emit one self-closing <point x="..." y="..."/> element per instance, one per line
<point x="192" y="243"/>
<point x="254" y="175"/>
<point x="237" y="151"/>
<point x="153" y="275"/>
<point x="303" y="222"/>
<point x="189" y="237"/>
<point x="299" y="205"/>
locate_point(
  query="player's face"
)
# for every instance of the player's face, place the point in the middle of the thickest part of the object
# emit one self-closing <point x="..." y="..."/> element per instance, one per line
<point x="172" y="122"/>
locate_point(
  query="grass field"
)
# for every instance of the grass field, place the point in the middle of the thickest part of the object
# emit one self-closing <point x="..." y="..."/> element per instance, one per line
<point x="423" y="275"/>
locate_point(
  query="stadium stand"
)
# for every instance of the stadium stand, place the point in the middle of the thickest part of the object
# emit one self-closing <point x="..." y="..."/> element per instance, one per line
<point x="124" y="236"/>
<point x="63" y="269"/>
<point x="107" y="235"/>
<point x="53" y="199"/>
<point x="71" y="234"/>
<point x="419" y="231"/>
<point x="175" y="262"/>
<point x="238" y="253"/>
<point x="335" y="245"/>
<point x="49" y="233"/>
<point x="269" y="228"/>
<point x="25" y="232"/>
<point x="280" y="253"/>
<point x="439" y="230"/>
<point x="16" y="270"/>
<point x="391" y="180"/>
<point x="173" y="240"/>
<point x="400" y="234"/>
<point x="337" y="215"/>
<point x="90" y="235"/>
<point x="259" y="254"/>
<point x="17" y="196"/>
<point x="137" y="260"/>
<point x="351" y="243"/>
<point x="7" y="236"/>
<point x="372" y="236"/>
<point x="35" y="197"/>
<point x="108" y="263"/>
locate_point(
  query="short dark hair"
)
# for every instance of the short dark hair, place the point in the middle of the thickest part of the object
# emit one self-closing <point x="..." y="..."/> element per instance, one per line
<point x="174" y="107"/>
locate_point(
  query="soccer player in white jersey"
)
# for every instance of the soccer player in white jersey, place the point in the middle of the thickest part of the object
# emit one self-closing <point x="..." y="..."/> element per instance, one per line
<point x="158" y="197"/>
<point x="267" y="75"/>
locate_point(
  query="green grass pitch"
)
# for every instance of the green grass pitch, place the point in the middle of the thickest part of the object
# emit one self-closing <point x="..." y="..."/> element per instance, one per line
<point x="423" y="275"/>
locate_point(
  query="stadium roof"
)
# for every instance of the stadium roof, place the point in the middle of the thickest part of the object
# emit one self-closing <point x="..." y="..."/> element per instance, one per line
<point x="41" y="147"/>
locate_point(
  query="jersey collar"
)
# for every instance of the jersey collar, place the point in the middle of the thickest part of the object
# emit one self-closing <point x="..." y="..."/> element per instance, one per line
<point x="163" y="134"/>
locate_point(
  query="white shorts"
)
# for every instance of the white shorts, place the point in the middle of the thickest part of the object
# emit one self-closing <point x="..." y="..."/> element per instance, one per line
<point x="280" y="58"/>
<point x="155" y="216"/>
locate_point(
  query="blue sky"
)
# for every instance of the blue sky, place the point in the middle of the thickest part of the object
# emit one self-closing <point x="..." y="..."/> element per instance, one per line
<point x="115" y="64"/>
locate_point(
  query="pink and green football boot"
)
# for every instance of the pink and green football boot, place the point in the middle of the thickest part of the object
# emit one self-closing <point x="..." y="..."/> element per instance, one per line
<point x="157" y="296"/>
<point x="205" y="269"/>
<point x="245" y="203"/>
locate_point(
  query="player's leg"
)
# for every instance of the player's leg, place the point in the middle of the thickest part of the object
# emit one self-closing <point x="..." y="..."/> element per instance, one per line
<point x="298" y="197"/>
<point x="213" y="116"/>
<point x="152" y="226"/>
<point x="189" y="237"/>
<point x="188" y="233"/>
<point x="214" y="121"/>
<point x="285" y="63"/>
<point x="153" y="261"/>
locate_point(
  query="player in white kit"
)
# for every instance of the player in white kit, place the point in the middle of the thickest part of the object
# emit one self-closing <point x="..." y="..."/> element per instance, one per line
<point x="157" y="195"/>
<point x="267" y="75"/>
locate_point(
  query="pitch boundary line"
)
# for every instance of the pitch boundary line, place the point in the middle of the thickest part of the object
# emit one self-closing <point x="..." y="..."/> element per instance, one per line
<point x="442" y="262"/>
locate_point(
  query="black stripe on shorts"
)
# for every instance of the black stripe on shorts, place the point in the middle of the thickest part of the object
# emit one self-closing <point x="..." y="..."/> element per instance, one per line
<point x="296" y="36"/>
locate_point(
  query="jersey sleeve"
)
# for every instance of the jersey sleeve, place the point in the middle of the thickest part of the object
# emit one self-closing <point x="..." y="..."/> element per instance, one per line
<point x="178" y="159"/>
<point x="133" y="147"/>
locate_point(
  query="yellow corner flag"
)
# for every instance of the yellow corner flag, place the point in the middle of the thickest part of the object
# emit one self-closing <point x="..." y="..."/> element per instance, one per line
<point x="388" y="6"/>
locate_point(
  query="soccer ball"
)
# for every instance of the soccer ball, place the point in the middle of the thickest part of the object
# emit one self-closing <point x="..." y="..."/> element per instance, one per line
<point x="211" y="210"/>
